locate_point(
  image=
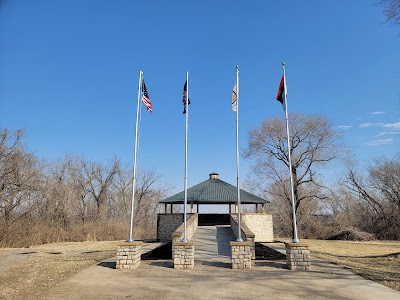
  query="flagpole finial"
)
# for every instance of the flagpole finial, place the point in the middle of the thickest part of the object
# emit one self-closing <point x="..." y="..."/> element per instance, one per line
<point x="283" y="63"/>
<point x="237" y="67"/>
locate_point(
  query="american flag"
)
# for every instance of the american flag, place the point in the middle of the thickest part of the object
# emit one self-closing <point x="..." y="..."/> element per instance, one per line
<point x="184" y="96"/>
<point x="146" y="98"/>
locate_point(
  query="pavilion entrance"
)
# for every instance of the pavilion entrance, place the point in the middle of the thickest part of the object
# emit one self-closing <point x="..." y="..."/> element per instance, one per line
<point x="213" y="219"/>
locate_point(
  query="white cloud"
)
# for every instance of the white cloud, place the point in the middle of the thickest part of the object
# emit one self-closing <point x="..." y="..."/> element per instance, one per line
<point x="388" y="133"/>
<point x="392" y="125"/>
<point x="386" y="125"/>
<point x="377" y="113"/>
<point x="369" y="124"/>
<point x="345" y="126"/>
<point x="379" y="142"/>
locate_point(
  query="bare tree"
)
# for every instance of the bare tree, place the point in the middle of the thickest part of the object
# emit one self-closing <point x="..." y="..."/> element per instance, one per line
<point x="78" y="183"/>
<point x="71" y="199"/>
<point x="92" y="183"/>
<point x="60" y="195"/>
<point x="380" y="191"/>
<point x="20" y="178"/>
<point x="121" y="196"/>
<point x="150" y="189"/>
<point x="391" y="10"/>
<point x="314" y="144"/>
<point x="98" y="179"/>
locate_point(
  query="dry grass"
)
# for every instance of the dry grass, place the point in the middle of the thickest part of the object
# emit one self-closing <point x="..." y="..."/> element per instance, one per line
<point x="25" y="273"/>
<point x="375" y="260"/>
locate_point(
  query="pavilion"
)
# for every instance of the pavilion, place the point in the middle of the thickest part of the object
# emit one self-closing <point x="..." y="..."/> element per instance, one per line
<point x="214" y="191"/>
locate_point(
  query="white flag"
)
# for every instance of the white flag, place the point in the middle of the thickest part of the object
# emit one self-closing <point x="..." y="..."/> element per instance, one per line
<point x="234" y="97"/>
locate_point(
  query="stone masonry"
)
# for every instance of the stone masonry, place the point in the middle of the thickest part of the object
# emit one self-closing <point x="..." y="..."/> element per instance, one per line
<point x="183" y="252"/>
<point x="183" y="255"/>
<point x="191" y="226"/>
<point x="167" y="224"/>
<point x="298" y="256"/>
<point x="261" y="225"/>
<point x="246" y="234"/>
<point x="240" y="255"/>
<point x="128" y="255"/>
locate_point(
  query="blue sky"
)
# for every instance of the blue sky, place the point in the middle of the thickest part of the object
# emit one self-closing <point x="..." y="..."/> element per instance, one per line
<point x="69" y="75"/>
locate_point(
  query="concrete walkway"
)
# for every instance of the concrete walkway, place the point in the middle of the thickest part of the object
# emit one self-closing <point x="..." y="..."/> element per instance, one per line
<point x="212" y="246"/>
<point x="213" y="279"/>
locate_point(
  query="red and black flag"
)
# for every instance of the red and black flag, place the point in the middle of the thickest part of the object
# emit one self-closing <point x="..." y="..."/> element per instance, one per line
<point x="184" y="96"/>
<point x="146" y="98"/>
<point x="281" y="92"/>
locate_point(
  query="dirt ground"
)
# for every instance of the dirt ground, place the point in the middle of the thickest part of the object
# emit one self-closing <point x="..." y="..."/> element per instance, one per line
<point x="28" y="273"/>
<point x="375" y="260"/>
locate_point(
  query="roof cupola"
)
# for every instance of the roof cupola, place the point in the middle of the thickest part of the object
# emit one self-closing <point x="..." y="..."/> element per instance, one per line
<point x="214" y="175"/>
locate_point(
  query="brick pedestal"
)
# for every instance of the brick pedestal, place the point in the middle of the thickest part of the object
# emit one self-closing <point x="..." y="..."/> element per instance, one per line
<point x="241" y="255"/>
<point x="298" y="256"/>
<point x="183" y="255"/>
<point x="128" y="255"/>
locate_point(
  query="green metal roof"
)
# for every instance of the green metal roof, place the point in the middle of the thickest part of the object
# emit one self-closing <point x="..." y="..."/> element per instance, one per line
<point x="214" y="191"/>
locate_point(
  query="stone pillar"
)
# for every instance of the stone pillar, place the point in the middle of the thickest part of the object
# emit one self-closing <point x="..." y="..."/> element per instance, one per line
<point x="236" y="208"/>
<point x="171" y="208"/>
<point x="298" y="256"/>
<point x="191" y="208"/>
<point x="165" y="208"/>
<point x="252" y="247"/>
<point x="128" y="255"/>
<point x="240" y="255"/>
<point x="183" y="255"/>
<point x="263" y="208"/>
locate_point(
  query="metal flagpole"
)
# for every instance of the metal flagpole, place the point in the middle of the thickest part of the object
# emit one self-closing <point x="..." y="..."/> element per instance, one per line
<point x="239" y="238"/>
<point x="186" y="155"/>
<point x="134" y="158"/>
<point x="295" y="239"/>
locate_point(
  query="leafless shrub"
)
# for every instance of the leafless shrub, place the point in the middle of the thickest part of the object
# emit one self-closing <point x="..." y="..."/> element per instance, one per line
<point x="73" y="199"/>
<point x="378" y="193"/>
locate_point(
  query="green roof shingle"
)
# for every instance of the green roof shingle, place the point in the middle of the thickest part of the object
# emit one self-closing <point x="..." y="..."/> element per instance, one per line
<point x="214" y="191"/>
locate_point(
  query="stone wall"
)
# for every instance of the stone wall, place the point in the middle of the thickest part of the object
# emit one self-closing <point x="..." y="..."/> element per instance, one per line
<point x="246" y="234"/>
<point x="261" y="225"/>
<point x="167" y="224"/>
<point x="128" y="255"/>
<point x="191" y="226"/>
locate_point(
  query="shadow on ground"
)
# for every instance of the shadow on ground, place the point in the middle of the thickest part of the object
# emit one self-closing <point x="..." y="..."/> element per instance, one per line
<point x="163" y="264"/>
<point x="272" y="264"/>
<point x="216" y="264"/>
<point x="161" y="252"/>
<point x="108" y="264"/>
<point x="266" y="253"/>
